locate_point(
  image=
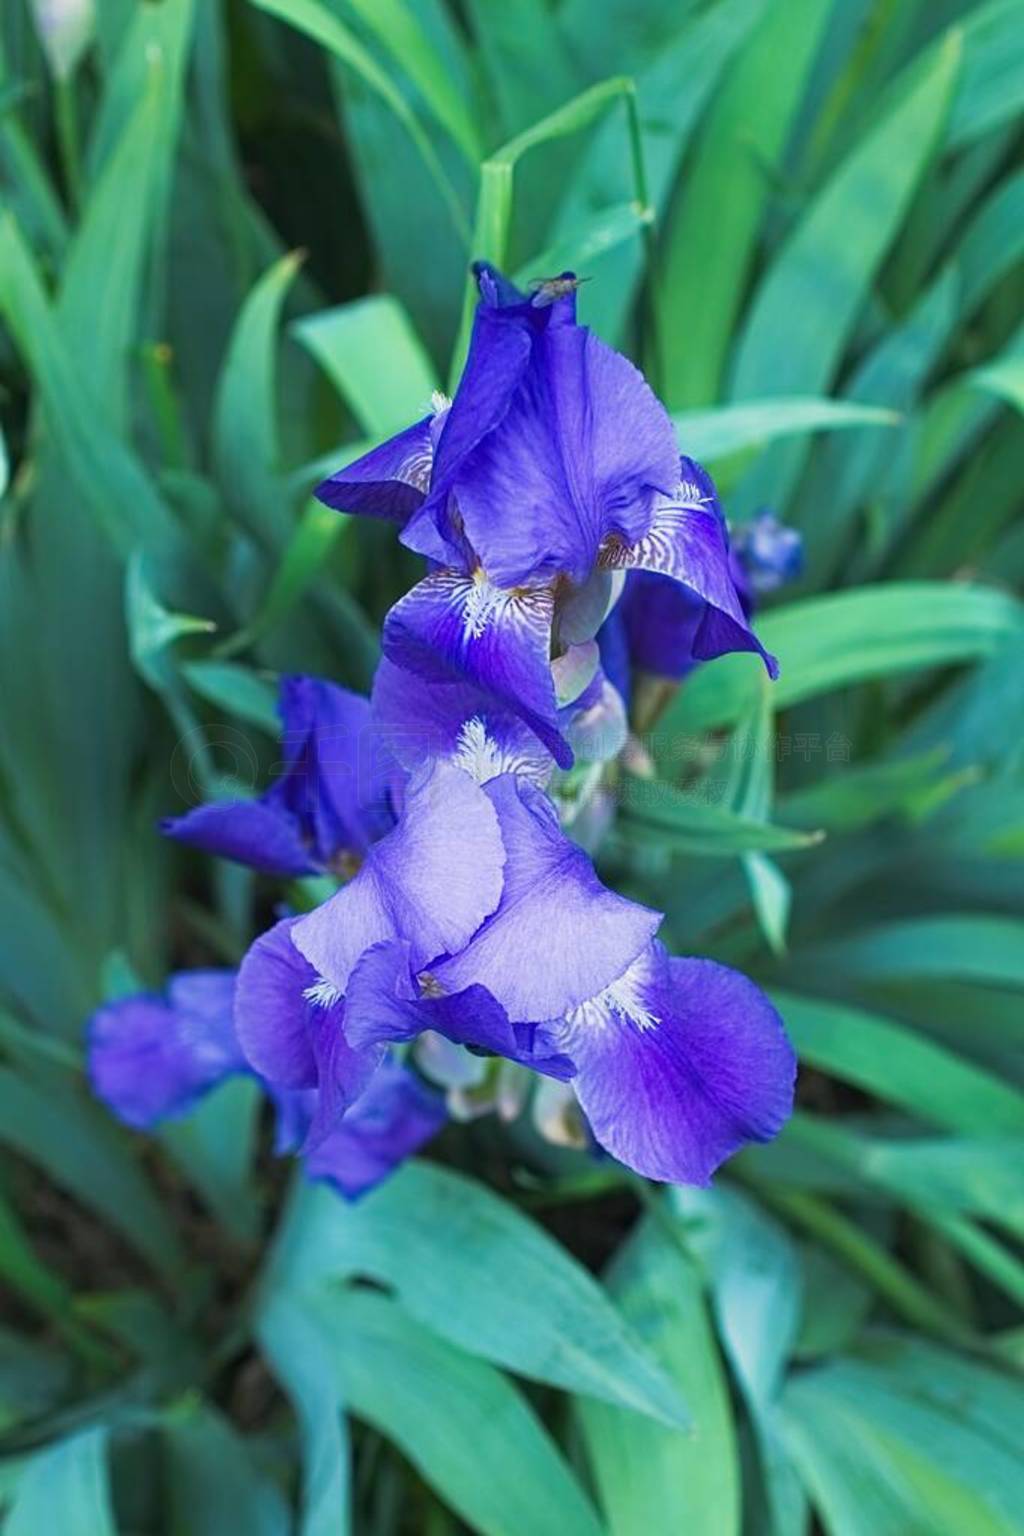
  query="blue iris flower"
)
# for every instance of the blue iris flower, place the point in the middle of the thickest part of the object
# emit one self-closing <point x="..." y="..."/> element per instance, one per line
<point x="152" y="1058"/>
<point x="554" y="470"/>
<point x="548" y="485"/>
<point x="329" y="802"/>
<point x="477" y="918"/>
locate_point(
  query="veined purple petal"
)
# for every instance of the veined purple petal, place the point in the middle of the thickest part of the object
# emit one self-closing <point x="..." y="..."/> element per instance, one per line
<point x="396" y="1116"/>
<point x="151" y="1058"/>
<point x="386" y="1002"/>
<point x="456" y="721"/>
<point x="390" y="481"/>
<point x="264" y="836"/>
<point x="432" y="881"/>
<point x="577" y="457"/>
<point x="687" y="540"/>
<point x="679" y="1063"/>
<point x="463" y="628"/>
<point x="558" y="935"/>
<point x="292" y="1029"/>
<point x="272" y="1010"/>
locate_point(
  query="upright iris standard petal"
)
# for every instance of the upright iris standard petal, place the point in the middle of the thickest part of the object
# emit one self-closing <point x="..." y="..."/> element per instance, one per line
<point x="150" y="1057"/>
<point x="390" y="481"/>
<point x="578" y="456"/>
<point x="328" y="805"/>
<point x="687" y="541"/>
<point x="432" y="881"/>
<point x="558" y="936"/>
<point x="679" y="1063"/>
<point x="452" y="627"/>
<point x="396" y="1116"/>
<point x="455" y="721"/>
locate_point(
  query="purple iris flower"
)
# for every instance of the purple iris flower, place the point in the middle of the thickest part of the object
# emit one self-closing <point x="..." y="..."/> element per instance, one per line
<point x="152" y="1058"/>
<point x="327" y="806"/>
<point x="476" y="918"/>
<point x="657" y="626"/>
<point x="553" y="469"/>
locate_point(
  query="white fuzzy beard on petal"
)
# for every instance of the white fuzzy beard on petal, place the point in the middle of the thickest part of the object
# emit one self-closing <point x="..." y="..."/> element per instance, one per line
<point x="322" y="993"/>
<point x="623" y="1001"/>
<point x="483" y="759"/>
<point x="477" y="754"/>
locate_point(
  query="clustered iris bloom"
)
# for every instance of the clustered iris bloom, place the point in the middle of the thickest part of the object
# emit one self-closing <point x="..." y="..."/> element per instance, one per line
<point x="548" y="484"/>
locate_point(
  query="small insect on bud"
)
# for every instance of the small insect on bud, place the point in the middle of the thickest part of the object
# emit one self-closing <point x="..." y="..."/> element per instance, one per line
<point x="546" y="290"/>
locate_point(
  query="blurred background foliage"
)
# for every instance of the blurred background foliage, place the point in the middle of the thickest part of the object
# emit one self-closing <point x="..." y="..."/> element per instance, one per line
<point x="233" y="251"/>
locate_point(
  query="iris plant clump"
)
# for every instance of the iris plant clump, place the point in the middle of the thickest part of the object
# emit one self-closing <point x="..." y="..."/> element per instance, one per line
<point x="567" y="545"/>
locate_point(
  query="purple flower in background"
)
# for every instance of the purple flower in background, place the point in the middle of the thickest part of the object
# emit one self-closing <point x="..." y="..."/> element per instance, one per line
<point x="658" y="625"/>
<point x="329" y="803"/>
<point x="152" y="1057"/>
<point x="767" y="554"/>
<point x="553" y="469"/>
<point x="477" y="919"/>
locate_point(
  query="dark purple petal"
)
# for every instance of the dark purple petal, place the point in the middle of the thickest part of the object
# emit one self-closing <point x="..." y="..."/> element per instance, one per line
<point x="661" y="619"/>
<point x="463" y="628"/>
<point x="578" y="456"/>
<point x="499" y="351"/>
<point x="456" y="721"/>
<point x="344" y="1071"/>
<point x="687" y="541"/>
<point x="558" y="936"/>
<point x="386" y="1002"/>
<point x="266" y="837"/>
<point x="432" y="881"/>
<point x="389" y="481"/>
<point x="294" y="1108"/>
<point x="149" y="1059"/>
<point x="613" y="644"/>
<point x="336" y="779"/>
<point x="679" y="1063"/>
<point x="396" y="1116"/>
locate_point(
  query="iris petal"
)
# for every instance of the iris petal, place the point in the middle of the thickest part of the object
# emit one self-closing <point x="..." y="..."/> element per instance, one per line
<point x="578" y="456"/>
<point x="452" y="627"/>
<point x="390" y="481"/>
<point x="687" y="541"/>
<point x="432" y="881"/>
<point x="679" y="1063"/>
<point x="558" y="935"/>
